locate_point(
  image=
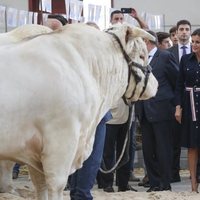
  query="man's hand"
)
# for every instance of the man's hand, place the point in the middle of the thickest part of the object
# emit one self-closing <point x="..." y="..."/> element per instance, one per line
<point x="133" y="13"/>
<point x="140" y="21"/>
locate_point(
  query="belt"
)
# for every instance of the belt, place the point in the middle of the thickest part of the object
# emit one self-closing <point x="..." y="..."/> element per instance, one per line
<point x="192" y="90"/>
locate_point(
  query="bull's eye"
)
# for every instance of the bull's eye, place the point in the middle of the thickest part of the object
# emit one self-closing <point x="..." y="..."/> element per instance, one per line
<point x="142" y="57"/>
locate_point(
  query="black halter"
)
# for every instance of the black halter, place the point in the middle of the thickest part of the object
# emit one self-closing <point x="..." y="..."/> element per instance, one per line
<point x="145" y="69"/>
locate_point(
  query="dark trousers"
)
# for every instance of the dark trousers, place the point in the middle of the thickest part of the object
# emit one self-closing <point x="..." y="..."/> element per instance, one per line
<point x="132" y="148"/>
<point x="16" y="168"/>
<point x="176" y="138"/>
<point x="157" y="151"/>
<point x="115" y="135"/>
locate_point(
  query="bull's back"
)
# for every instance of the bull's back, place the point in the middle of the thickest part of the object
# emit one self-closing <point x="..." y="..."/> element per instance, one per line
<point x="38" y="81"/>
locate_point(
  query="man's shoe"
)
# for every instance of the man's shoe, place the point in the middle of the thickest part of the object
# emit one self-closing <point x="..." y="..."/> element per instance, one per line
<point x="100" y="186"/>
<point x="108" y="189"/>
<point x="144" y="184"/>
<point x="144" y="181"/>
<point x="153" y="189"/>
<point x="15" y="175"/>
<point x="141" y="184"/>
<point x="168" y="188"/>
<point x="127" y="188"/>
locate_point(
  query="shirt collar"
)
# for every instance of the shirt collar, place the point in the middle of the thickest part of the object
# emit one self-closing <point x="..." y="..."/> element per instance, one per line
<point x="153" y="51"/>
<point x="188" y="45"/>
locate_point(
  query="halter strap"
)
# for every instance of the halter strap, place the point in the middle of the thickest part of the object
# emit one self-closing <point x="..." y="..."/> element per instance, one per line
<point x="145" y="69"/>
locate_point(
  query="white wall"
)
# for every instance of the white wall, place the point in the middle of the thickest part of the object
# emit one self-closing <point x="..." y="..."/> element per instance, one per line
<point x="174" y="10"/>
<point x="19" y="4"/>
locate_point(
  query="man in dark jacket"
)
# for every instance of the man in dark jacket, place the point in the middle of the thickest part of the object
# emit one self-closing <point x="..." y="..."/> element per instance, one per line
<point x="156" y="115"/>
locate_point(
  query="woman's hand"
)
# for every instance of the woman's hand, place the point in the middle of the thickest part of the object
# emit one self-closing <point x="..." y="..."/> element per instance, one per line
<point x="178" y="113"/>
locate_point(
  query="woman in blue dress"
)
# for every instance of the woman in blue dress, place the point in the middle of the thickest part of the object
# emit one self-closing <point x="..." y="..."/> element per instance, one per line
<point x="188" y="105"/>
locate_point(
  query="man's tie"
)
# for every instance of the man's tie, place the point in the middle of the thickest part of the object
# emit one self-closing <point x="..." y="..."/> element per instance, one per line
<point x="184" y="50"/>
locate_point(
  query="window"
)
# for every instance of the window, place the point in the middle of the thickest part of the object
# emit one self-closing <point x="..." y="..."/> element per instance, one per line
<point x="95" y="5"/>
<point x="91" y="12"/>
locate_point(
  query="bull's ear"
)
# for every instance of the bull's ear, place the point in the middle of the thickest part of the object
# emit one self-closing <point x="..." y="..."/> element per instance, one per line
<point x="138" y="32"/>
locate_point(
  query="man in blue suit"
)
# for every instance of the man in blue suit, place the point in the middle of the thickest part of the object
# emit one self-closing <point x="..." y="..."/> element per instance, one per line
<point x="156" y="115"/>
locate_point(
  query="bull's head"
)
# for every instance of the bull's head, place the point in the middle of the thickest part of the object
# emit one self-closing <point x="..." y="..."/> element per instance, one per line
<point x="141" y="82"/>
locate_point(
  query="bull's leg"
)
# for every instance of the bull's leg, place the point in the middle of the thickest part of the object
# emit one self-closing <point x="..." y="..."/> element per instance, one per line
<point x="56" y="165"/>
<point x="60" y="147"/>
<point x="6" y="182"/>
<point x="39" y="182"/>
<point x="56" y="178"/>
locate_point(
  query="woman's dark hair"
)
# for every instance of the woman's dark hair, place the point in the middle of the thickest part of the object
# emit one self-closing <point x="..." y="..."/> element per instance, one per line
<point x="196" y="32"/>
<point x="60" y="18"/>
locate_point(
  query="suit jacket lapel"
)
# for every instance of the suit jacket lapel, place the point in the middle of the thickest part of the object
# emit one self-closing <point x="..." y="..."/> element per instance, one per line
<point x="175" y="52"/>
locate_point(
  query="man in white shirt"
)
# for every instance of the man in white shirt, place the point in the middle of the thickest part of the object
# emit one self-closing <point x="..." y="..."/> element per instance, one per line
<point x="116" y="130"/>
<point x="183" y="34"/>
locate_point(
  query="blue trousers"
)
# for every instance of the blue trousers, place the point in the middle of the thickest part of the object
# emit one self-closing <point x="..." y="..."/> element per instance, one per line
<point x="16" y="168"/>
<point x="82" y="181"/>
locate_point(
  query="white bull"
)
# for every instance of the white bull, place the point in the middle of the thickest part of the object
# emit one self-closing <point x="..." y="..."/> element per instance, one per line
<point x="13" y="36"/>
<point x="55" y="88"/>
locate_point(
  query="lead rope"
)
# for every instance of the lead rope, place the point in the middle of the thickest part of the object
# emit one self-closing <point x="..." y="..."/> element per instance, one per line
<point x="125" y="147"/>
